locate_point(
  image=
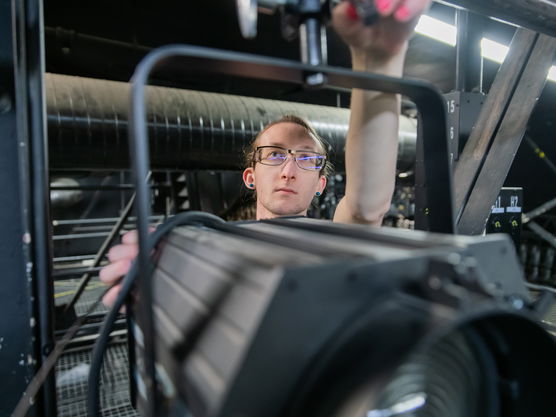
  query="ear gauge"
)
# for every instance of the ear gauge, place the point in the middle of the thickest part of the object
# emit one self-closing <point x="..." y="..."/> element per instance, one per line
<point x="317" y="194"/>
<point x="251" y="185"/>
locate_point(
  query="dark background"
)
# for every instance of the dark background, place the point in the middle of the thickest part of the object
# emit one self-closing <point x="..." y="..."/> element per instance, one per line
<point x="106" y="40"/>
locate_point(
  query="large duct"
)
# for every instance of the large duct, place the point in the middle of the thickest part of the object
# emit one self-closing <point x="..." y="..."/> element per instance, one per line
<point x="87" y="126"/>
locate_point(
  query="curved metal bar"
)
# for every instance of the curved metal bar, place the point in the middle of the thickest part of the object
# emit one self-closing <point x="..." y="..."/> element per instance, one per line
<point x="425" y="95"/>
<point x="427" y="98"/>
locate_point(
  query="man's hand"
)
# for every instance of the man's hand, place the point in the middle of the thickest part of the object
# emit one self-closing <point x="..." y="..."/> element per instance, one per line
<point x="372" y="140"/>
<point x="121" y="257"/>
<point x="386" y="38"/>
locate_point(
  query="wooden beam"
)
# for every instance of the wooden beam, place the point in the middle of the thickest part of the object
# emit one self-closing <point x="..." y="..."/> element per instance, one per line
<point x="472" y="156"/>
<point x="493" y="162"/>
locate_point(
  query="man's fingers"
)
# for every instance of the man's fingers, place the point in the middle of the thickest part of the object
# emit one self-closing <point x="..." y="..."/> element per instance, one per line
<point x="343" y="15"/>
<point x="119" y="252"/>
<point x="114" y="271"/>
<point x="408" y="10"/>
<point x="120" y="257"/>
<point x="110" y="297"/>
<point x="347" y="24"/>
<point x="132" y="237"/>
<point x="387" y="7"/>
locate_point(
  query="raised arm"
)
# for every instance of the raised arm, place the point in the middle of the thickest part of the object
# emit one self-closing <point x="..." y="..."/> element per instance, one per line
<point x="372" y="141"/>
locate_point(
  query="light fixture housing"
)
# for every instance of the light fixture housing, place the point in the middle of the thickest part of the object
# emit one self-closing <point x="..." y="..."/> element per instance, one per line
<point x="299" y="317"/>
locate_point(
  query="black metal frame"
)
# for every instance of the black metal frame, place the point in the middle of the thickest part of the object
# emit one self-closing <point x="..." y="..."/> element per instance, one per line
<point x="469" y="63"/>
<point x="25" y="256"/>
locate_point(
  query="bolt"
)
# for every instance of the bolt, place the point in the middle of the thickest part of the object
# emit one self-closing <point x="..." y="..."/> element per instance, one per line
<point x="315" y="80"/>
<point x="516" y="302"/>
<point x="435" y="283"/>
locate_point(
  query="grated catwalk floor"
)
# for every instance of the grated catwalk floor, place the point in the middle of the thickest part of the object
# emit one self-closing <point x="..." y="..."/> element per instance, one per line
<point x="72" y="369"/>
<point x="71" y="383"/>
<point x="64" y="291"/>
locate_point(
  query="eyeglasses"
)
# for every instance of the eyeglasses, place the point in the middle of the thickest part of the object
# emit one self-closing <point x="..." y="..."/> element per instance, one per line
<point x="276" y="155"/>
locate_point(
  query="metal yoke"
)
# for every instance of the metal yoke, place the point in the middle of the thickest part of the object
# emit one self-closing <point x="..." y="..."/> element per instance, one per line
<point x="426" y="96"/>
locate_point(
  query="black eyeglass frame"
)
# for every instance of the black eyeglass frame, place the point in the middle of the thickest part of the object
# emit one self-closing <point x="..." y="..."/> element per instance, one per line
<point x="257" y="157"/>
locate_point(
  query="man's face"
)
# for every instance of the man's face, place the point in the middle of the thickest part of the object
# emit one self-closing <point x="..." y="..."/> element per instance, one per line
<point x="285" y="190"/>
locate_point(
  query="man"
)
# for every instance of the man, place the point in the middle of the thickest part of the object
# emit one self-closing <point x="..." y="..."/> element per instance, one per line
<point x="284" y="181"/>
<point x="286" y="167"/>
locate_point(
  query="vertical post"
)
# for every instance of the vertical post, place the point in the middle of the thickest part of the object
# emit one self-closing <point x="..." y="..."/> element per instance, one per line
<point x="469" y="63"/>
<point x="18" y="355"/>
<point x="26" y="303"/>
<point x="312" y="37"/>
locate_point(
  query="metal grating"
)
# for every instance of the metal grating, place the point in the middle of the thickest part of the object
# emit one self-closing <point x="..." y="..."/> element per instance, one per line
<point x="71" y="381"/>
<point x="64" y="290"/>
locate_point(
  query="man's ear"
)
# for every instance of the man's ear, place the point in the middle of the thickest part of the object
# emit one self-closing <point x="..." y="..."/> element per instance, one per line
<point x="322" y="183"/>
<point x="249" y="177"/>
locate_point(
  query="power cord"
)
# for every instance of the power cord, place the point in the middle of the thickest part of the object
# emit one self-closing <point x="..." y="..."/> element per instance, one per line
<point x="187" y="218"/>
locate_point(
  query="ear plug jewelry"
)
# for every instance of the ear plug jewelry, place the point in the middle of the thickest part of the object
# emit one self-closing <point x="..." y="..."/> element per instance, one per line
<point x="251" y="185"/>
<point x="317" y="193"/>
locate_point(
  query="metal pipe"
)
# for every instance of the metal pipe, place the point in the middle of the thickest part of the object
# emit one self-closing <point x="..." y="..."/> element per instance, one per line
<point x="71" y="272"/>
<point x="79" y="236"/>
<point x="87" y="126"/>
<point x="542" y="233"/>
<point x="119" y="187"/>
<point x="538" y="15"/>
<point x="549" y="205"/>
<point x="540" y="153"/>
<point x="462" y="19"/>
<point x="64" y="192"/>
<point x="78" y="258"/>
<point x="468" y="52"/>
<point x="131" y="219"/>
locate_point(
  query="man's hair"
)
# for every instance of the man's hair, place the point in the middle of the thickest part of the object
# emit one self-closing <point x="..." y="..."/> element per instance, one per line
<point x="249" y="160"/>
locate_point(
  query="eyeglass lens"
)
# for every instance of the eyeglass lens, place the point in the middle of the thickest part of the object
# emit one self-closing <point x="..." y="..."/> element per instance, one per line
<point x="309" y="160"/>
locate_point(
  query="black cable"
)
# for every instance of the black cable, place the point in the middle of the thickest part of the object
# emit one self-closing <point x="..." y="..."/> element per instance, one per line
<point x="187" y="218"/>
<point x="139" y="156"/>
